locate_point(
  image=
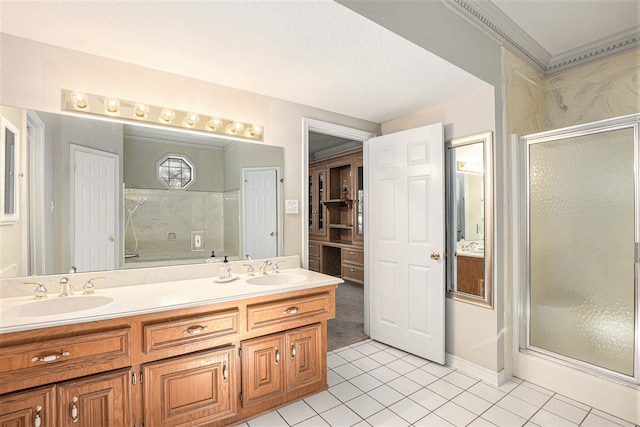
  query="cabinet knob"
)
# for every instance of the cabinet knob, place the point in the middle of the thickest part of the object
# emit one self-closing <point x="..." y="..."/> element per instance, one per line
<point x="37" y="422"/>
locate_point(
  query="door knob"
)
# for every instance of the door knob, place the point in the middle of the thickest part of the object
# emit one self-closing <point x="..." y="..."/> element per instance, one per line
<point x="435" y="255"/>
<point x="111" y="238"/>
<point x="273" y="233"/>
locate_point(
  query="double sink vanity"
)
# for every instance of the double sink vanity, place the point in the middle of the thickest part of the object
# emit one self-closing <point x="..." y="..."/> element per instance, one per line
<point x="166" y="353"/>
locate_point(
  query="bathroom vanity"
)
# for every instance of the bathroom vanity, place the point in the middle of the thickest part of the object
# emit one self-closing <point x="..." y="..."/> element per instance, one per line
<point x="191" y="352"/>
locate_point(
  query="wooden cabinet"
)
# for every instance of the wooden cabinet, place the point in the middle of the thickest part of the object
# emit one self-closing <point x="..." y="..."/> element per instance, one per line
<point x="197" y="388"/>
<point x="279" y="367"/>
<point x="317" y="209"/>
<point x="29" y="408"/>
<point x="315" y="256"/>
<point x="174" y="368"/>
<point x="344" y="224"/>
<point x="470" y="275"/>
<point x="98" y="401"/>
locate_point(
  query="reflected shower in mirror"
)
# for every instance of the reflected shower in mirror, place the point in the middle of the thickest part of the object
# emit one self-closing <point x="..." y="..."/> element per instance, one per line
<point x="469" y="218"/>
<point x="116" y="195"/>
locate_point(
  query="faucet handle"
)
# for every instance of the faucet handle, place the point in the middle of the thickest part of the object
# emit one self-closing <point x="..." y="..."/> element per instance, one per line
<point x="89" y="288"/>
<point x="250" y="269"/>
<point x="40" y="290"/>
<point x="276" y="267"/>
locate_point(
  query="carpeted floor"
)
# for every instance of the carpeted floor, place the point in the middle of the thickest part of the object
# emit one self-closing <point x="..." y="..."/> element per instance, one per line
<point x="348" y="326"/>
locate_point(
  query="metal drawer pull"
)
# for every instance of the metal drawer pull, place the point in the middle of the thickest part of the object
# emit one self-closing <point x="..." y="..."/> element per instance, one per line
<point x="37" y="422"/>
<point x="194" y="330"/>
<point x="74" y="409"/>
<point x="225" y="372"/>
<point x="353" y="270"/>
<point x="277" y="356"/>
<point x="50" y="358"/>
<point x="293" y="351"/>
<point x="352" y="253"/>
<point x="291" y="310"/>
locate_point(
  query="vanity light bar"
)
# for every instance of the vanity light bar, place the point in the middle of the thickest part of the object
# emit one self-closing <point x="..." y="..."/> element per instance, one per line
<point x="81" y="102"/>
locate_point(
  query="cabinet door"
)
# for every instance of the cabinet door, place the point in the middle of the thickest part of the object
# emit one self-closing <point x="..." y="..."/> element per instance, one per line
<point x="305" y="361"/>
<point x="29" y="408"/>
<point x="190" y="389"/>
<point x="263" y="369"/>
<point x="98" y="401"/>
<point x="317" y="210"/>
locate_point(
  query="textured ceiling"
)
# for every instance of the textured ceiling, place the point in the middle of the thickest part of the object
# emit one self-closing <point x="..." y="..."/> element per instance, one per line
<point x="316" y="53"/>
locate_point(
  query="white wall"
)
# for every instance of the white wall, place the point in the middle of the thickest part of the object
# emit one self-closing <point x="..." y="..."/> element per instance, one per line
<point x="34" y="74"/>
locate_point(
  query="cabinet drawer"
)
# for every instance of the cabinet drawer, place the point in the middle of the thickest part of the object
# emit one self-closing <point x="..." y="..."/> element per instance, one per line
<point x="353" y="273"/>
<point x="23" y="365"/>
<point x="314" y="264"/>
<point x="354" y="256"/>
<point x="314" y="249"/>
<point x="286" y="313"/>
<point x="192" y="333"/>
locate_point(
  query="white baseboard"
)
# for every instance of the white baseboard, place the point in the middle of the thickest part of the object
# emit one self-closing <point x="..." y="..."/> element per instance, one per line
<point x="484" y="374"/>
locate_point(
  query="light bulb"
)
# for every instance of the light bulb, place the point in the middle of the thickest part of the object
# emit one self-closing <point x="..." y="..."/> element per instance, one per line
<point x="255" y="130"/>
<point x="238" y="126"/>
<point x="167" y="115"/>
<point x="214" y="123"/>
<point x="231" y="129"/>
<point x="80" y="100"/>
<point x="112" y="105"/>
<point x="141" y="110"/>
<point x="191" y="119"/>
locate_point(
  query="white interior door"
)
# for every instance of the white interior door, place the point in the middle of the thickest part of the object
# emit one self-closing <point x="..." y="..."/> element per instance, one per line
<point x="260" y="212"/>
<point x="94" y="208"/>
<point x="406" y="238"/>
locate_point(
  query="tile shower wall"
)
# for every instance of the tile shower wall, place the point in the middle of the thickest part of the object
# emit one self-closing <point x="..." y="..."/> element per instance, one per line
<point x="166" y="214"/>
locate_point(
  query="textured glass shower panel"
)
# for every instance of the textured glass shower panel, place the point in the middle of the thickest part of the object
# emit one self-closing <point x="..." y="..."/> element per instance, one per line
<point x="581" y="201"/>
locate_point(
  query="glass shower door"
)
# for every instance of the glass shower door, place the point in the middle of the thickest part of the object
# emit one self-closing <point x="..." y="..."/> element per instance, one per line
<point x="582" y="238"/>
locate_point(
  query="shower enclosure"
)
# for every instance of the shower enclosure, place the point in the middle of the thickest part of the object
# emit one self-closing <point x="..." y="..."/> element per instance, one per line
<point x="580" y="306"/>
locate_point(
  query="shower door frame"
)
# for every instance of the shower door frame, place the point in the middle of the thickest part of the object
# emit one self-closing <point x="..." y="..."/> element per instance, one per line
<point x="620" y="123"/>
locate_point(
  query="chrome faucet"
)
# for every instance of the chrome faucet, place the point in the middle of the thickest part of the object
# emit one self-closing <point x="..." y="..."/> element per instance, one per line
<point x="263" y="267"/>
<point x="40" y="291"/>
<point x="65" y="287"/>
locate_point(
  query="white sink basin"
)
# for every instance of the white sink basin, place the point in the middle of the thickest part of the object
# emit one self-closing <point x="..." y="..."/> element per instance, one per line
<point x="57" y="305"/>
<point x="276" y="279"/>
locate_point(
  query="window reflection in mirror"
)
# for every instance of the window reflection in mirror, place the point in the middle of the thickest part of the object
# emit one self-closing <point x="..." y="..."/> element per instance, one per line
<point x="469" y="219"/>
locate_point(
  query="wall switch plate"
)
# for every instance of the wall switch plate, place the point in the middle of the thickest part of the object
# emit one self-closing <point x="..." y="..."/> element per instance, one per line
<point x="291" y="207"/>
<point x="197" y="240"/>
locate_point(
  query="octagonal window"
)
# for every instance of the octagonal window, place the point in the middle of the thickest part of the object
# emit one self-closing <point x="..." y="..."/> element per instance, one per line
<point x="175" y="172"/>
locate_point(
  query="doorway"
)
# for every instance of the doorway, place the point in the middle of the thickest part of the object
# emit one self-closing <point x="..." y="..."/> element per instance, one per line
<point x="260" y="201"/>
<point x="333" y="233"/>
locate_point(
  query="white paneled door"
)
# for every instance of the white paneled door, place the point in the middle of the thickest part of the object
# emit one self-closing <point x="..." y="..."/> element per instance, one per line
<point x="406" y="238"/>
<point x="260" y="212"/>
<point x="94" y="184"/>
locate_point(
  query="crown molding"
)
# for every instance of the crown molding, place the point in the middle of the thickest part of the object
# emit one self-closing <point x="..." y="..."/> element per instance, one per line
<point x="488" y="17"/>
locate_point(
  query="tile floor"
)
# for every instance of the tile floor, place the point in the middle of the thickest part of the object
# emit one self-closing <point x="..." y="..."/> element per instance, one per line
<point x="372" y="384"/>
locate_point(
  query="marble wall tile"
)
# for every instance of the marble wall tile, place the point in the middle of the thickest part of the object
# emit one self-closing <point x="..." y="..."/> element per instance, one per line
<point x="525" y="97"/>
<point x="601" y="90"/>
<point x="176" y="212"/>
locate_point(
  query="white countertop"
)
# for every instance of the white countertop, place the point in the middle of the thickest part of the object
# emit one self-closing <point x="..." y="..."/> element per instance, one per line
<point x="154" y="297"/>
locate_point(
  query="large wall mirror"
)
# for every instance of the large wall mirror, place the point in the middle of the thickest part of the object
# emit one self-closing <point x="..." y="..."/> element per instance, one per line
<point x="100" y="204"/>
<point x="469" y="177"/>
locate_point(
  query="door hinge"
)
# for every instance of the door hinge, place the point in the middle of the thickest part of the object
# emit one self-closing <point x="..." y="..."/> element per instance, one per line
<point x="637" y="254"/>
<point x="240" y="396"/>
